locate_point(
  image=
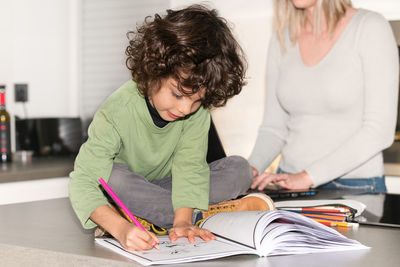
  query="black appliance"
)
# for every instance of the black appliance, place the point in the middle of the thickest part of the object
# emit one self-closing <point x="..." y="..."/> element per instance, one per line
<point x="49" y="136"/>
<point x="215" y="149"/>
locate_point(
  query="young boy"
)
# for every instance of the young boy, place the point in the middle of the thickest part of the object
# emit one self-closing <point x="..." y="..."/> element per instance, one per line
<point x="149" y="139"/>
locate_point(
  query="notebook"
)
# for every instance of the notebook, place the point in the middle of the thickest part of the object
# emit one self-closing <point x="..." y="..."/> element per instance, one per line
<point x="262" y="233"/>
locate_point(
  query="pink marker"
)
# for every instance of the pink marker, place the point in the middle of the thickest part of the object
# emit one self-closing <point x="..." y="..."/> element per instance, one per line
<point x="123" y="207"/>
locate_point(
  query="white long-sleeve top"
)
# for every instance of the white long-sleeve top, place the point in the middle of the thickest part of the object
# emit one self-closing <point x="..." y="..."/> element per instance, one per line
<point x="332" y="119"/>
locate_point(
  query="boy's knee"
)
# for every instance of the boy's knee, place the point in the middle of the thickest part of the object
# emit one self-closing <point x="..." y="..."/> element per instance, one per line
<point x="230" y="178"/>
<point x="234" y="170"/>
<point x="241" y="168"/>
<point x="239" y="161"/>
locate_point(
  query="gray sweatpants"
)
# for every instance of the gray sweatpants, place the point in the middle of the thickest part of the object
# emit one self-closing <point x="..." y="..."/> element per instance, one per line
<point x="229" y="178"/>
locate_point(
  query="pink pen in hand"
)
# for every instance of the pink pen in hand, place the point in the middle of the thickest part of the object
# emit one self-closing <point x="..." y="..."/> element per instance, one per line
<point x="123" y="207"/>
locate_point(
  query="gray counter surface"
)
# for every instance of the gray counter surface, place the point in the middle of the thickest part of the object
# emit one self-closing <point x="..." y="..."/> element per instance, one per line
<point x="47" y="233"/>
<point x="39" y="168"/>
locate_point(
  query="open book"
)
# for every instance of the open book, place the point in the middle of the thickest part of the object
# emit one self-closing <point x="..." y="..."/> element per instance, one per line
<point x="263" y="233"/>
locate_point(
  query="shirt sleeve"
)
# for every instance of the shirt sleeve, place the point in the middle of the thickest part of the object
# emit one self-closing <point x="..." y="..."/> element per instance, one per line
<point x="273" y="130"/>
<point x="379" y="56"/>
<point x="95" y="160"/>
<point x="190" y="171"/>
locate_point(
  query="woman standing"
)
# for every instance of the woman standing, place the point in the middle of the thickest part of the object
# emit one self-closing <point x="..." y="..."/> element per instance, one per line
<point x="331" y="100"/>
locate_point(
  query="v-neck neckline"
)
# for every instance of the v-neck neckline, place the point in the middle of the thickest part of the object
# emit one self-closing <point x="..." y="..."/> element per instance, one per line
<point x="331" y="50"/>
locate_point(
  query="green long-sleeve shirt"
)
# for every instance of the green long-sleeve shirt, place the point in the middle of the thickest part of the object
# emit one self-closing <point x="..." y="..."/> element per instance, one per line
<point x="122" y="131"/>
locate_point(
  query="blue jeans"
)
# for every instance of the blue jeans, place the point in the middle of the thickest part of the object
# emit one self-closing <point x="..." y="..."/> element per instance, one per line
<point x="373" y="185"/>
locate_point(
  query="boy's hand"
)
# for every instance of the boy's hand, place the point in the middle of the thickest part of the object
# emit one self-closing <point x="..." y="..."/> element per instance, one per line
<point x="183" y="227"/>
<point x="129" y="235"/>
<point x="190" y="231"/>
<point x="132" y="237"/>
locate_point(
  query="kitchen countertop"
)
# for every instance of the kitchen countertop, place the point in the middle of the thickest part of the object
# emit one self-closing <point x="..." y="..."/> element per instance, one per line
<point x="39" y="168"/>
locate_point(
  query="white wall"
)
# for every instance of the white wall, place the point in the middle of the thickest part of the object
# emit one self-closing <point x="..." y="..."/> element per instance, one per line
<point x="38" y="47"/>
<point x="390" y="9"/>
<point x="103" y="43"/>
<point x="5" y="45"/>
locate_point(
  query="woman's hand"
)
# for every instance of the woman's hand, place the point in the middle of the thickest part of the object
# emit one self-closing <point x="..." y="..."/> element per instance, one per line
<point x="254" y="170"/>
<point x="262" y="180"/>
<point x="190" y="231"/>
<point x="299" y="180"/>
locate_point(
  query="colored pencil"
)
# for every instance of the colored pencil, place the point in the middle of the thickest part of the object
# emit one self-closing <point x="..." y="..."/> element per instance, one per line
<point x="322" y="209"/>
<point x="123" y="207"/>
<point x="324" y="216"/>
<point x="342" y="224"/>
<point x="326" y="213"/>
<point x="330" y="224"/>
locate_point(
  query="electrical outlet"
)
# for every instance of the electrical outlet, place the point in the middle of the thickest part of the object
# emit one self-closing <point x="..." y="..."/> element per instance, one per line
<point x="21" y="92"/>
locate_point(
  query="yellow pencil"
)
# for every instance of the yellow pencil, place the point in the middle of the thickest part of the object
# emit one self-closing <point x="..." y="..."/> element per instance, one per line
<point x="340" y="224"/>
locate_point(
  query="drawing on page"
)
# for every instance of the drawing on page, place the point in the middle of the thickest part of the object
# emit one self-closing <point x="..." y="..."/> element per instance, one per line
<point x="180" y="246"/>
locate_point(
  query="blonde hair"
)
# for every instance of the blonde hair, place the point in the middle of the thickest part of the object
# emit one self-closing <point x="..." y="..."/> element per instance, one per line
<point x="286" y="14"/>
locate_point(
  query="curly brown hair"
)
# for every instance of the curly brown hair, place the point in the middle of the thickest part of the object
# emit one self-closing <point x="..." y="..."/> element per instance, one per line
<point x="192" y="45"/>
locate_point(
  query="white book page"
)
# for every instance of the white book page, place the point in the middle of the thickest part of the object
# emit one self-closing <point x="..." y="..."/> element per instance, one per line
<point x="305" y="236"/>
<point x="293" y="239"/>
<point x="238" y="226"/>
<point x="178" y="251"/>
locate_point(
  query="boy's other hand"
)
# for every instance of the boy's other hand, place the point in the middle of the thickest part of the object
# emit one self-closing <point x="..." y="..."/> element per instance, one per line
<point x="190" y="231"/>
<point x="132" y="237"/>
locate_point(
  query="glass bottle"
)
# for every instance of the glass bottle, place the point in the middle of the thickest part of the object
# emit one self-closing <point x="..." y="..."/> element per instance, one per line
<point x="5" y="137"/>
